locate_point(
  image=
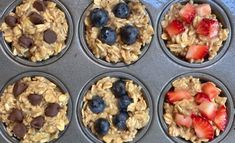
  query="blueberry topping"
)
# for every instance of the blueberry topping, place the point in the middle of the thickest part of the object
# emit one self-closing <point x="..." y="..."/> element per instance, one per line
<point x="129" y="34"/>
<point x="102" y="126"/>
<point x="99" y="17"/>
<point x="96" y="104"/>
<point x="119" y="88"/>
<point x="124" y="102"/>
<point x="119" y="120"/>
<point x="121" y="10"/>
<point x="108" y="35"/>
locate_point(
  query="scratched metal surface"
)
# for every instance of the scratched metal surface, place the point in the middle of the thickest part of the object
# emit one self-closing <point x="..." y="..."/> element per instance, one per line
<point x="75" y="68"/>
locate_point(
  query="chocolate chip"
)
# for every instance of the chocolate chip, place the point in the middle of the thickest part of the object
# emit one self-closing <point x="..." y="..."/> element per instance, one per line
<point x="39" y="5"/>
<point x="38" y="122"/>
<point x="49" y="36"/>
<point x="16" y="115"/>
<point x="19" y="130"/>
<point x="19" y="88"/>
<point x="36" y="18"/>
<point x="11" y="20"/>
<point x="35" y="99"/>
<point x="52" y="109"/>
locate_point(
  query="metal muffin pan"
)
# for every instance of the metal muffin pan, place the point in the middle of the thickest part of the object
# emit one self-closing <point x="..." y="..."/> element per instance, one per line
<point x="155" y="69"/>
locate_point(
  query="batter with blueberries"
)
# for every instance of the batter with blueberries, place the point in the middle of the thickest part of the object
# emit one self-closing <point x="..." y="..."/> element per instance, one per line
<point x="114" y="110"/>
<point x="117" y="30"/>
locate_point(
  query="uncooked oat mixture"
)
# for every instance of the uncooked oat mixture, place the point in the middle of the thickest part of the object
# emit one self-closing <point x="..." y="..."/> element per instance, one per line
<point x="119" y="105"/>
<point x="195" y="111"/>
<point x="115" y="50"/>
<point x="192" y="32"/>
<point x="36" y="30"/>
<point x="34" y="110"/>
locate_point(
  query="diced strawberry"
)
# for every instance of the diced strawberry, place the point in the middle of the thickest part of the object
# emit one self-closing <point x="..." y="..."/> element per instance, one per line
<point x="175" y="27"/>
<point x="178" y="95"/>
<point x="208" y="109"/>
<point x="182" y="120"/>
<point x="203" y="9"/>
<point x="210" y="89"/>
<point x="203" y="128"/>
<point x="221" y="118"/>
<point x="201" y="97"/>
<point x="208" y="27"/>
<point x="197" y="52"/>
<point x="188" y="13"/>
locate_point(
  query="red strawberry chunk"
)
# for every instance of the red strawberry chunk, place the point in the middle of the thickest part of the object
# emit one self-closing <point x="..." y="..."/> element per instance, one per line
<point x="197" y="52"/>
<point x="221" y="118"/>
<point x="201" y="97"/>
<point x="208" y="27"/>
<point x="178" y="95"/>
<point x="208" y="109"/>
<point x="210" y="89"/>
<point x="188" y="13"/>
<point x="182" y="120"/>
<point x="175" y="27"/>
<point x="203" y="128"/>
<point x="203" y="9"/>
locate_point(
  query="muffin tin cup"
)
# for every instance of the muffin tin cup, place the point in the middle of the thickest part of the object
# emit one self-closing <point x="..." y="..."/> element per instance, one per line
<point x="222" y="16"/>
<point x="120" y="75"/>
<point x="8" y="49"/>
<point x="88" y="51"/>
<point x="53" y="79"/>
<point x="204" y="78"/>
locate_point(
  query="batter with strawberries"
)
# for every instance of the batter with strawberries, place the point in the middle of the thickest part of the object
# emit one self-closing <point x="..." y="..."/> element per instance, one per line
<point x="192" y="32"/>
<point x="195" y="110"/>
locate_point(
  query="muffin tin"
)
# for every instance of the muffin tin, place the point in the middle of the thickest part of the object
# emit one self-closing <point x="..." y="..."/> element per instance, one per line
<point x="75" y="70"/>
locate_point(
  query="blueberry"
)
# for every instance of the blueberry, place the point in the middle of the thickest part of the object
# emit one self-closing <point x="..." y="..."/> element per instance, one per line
<point x="99" y="17"/>
<point x="129" y="34"/>
<point x="96" y="104"/>
<point x="124" y="102"/>
<point x="108" y="35"/>
<point x="119" y="88"/>
<point x="121" y="10"/>
<point x="119" y="120"/>
<point x="102" y="126"/>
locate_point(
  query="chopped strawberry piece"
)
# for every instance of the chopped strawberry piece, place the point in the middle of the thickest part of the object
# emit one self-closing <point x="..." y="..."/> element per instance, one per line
<point x="221" y="118"/>
<point x="203" y="9"/>
<point x="188" y="13"/>
<point x="178" y="95"/>
<point x="210" y="89"/>
<point x="201" y="97"/>
<point x="175" y="27"/>
<point x="182" y="120"/>
<point x="208" y="109"/>
<point x="203" y="128"/>
<point x="208" y="27"/>
<point x="197" y="52"/>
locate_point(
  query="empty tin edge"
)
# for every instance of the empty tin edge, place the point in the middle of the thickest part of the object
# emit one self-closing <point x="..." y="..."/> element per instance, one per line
<point x="202" y="77"/>
<point x="54" y="80"/>
<point x="86" y="132"/>
<point x="7" y="49"/>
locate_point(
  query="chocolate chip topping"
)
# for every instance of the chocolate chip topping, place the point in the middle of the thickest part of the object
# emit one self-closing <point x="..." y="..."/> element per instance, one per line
<point x="19" y="130"/>
<point x="38" y="122"/>
<point x="35" y="99"/>
<point x="16" y="115"/>
<point x="19" y="88"/>
<point x="25" y="42"/>
<point x="11" y="20"/>
<point x="52" y="109"/>
<point x="36" y="18"/>
<point x="39" y="5"/>
<point x="49" y="36"/>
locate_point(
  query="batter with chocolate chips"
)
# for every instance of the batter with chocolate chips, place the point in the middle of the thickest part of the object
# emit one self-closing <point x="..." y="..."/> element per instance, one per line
<point x="36" y="30"/>
<point x="34" y="109"/>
